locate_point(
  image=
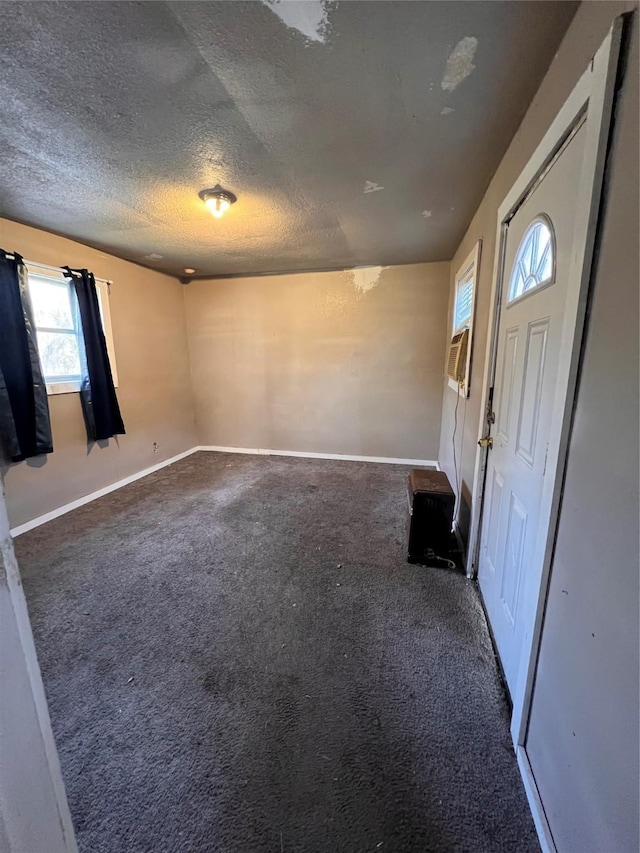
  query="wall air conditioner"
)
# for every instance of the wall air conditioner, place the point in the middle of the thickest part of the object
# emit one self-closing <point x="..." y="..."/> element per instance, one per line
<point x="457" y="361"/>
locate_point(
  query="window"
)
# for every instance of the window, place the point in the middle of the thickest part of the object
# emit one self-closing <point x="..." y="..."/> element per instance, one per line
<point x="57" y="324"/>
<point x="534" y="265"/>
<point x="464" y="299"/>
<point x="57" y="334"/>
<point x="464" y="302"/>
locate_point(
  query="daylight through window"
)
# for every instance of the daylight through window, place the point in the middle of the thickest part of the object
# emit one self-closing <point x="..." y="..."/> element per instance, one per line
<point x="464" y="303"/>
<point x="56" y="327"/>
<point x="534" y="263"/>
<point x="59" y="331"/>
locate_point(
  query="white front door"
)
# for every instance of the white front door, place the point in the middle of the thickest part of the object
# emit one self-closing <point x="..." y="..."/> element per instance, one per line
<point x="537" y="261"/>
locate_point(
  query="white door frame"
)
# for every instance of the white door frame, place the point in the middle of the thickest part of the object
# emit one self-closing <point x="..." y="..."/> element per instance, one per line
<point x="34" y="812"/>
<point x="591" y="101"/>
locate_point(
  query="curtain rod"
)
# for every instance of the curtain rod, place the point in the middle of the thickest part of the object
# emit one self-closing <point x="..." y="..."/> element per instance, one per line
<point x="50" y="267"/>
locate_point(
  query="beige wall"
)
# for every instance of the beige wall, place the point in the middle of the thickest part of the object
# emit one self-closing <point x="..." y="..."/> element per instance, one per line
<point x="335" y="362"/>
<point x="147" y="312"/>
<point x="584" y="36"/>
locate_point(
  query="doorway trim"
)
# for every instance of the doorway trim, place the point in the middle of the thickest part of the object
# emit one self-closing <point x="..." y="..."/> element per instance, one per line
<point x="590" y="104"/>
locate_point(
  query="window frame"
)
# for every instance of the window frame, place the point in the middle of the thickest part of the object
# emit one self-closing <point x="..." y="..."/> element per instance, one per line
<point x="468" y="269"/>
<point x="59" y="385"/>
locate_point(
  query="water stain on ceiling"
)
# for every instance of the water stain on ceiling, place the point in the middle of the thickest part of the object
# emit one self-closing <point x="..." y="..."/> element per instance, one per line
<point x="334" y="123"/>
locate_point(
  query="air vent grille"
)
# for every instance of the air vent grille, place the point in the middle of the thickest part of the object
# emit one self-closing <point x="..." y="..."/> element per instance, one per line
<point x="457" y="362"/>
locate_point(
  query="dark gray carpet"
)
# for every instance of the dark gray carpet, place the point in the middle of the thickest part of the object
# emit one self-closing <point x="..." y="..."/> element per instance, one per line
<point x="239" y="659"/>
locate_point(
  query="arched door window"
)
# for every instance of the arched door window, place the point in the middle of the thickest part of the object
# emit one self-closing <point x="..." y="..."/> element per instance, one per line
<point x="535" y="261"/>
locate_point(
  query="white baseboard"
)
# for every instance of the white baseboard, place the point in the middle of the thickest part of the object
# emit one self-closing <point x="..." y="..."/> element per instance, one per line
<point x="385" y="460"/>
<point x="535" y="803"/>
<point x="61" y="510"/>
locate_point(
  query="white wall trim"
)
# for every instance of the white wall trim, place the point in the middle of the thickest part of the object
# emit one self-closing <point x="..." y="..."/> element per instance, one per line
<point x="65" y="508"/>
<point x="385" y="460"/>
<point x="535" y="803"/>
<point x="62" y="510"/>
<point x="26" y="812"/>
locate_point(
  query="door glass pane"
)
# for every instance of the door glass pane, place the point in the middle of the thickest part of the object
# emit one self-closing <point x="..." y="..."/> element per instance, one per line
<point x="534" y="262"/>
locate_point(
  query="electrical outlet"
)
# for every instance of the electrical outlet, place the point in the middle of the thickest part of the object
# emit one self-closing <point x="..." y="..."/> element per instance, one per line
<point x="156" y="447"/>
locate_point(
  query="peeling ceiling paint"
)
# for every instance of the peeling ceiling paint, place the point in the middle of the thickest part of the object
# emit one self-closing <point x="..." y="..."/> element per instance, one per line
<point x="309" y="17"/>
<point x="366" y="278"/>
<point x="460" y="63"/>
<point x="110" y="144"/>
<point x="426" y="214"/>
<point x="445" y="111"/>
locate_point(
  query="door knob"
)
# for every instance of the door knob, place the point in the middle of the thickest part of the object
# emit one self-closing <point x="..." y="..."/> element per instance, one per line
<point x="486" y="442"/>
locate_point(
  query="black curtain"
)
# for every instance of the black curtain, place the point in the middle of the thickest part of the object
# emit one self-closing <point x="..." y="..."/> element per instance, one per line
<point x="24" y="408"/>
<point x="99" y="402"/>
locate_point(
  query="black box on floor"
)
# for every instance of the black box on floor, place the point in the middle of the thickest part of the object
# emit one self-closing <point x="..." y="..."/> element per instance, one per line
<point x="430" y="516"/>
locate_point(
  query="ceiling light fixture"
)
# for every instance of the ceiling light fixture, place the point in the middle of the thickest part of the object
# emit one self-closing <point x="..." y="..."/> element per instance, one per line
<point x="217" y="200"/>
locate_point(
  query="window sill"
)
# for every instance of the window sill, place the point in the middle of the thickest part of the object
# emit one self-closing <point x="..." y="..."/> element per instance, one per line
<point x="462" y="390"/>
<point x="72" y="387"/>
<point x="63" y="387"/>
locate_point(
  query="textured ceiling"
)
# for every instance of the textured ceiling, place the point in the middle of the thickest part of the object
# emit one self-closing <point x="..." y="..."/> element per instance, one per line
<point x="352" y="133"/>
